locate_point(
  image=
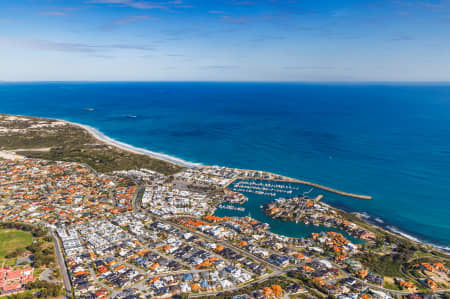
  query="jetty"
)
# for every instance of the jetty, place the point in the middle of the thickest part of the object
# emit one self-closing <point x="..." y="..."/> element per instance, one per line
<point x="366" y="197"/>
<point x="278" y="178"/>
<point x="318" y="198"/>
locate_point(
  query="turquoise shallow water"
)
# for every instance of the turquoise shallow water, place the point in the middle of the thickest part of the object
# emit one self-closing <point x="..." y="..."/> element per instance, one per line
<point x="388" y="141"/>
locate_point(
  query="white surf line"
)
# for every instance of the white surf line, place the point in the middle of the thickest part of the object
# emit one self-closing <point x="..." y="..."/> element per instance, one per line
<point x="412" y="238"/>
<point x="125" y="146"/>
<point x="102" y="137"/>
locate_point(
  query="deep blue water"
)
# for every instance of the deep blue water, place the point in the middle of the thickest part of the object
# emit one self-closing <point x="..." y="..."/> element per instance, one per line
<point x="388" y="141"/>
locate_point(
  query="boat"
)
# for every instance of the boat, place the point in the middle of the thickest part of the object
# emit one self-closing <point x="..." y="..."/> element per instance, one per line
<point x="231" y="208"/>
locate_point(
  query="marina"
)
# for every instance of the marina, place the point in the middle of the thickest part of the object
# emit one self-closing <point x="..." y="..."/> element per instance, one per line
<point x="310" y="211"/>
<point x="246" y="184"/>
<point x="257" y="198"/>
<point x="231" y="208"/>
<point x="370" y="174"/>
<point x="263" y="188"/>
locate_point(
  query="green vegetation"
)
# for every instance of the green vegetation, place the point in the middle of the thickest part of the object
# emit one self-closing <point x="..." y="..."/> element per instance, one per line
<point x="103" y="158"/>
<point x="312" y="286"/>
<point x="13" y="242"/>
<point x="391" y="286"/>
<point x="41" y="246"/>
<point x="402" y="254"/>
<point x="386" y="265"/>
<point x="75" y="144"/>
<point x="46" y="289"/>
<point x="390" y="264"/>
<point x="43" y="138"/>
<point x="411" y="270"/>
<point x="34" y="230"/>
<point x="28" y="294"/>
<point x="43" y="253"/>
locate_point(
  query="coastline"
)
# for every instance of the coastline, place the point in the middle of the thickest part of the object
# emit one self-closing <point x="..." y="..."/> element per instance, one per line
<point x="127" y="147"/>
<point x="393" y="230"/>
<point x="180" y="162"/>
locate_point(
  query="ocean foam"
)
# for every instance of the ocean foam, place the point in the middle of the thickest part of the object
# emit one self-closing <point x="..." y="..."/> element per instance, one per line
<point x="182" y="162"/>
<point x="138" y="150"/>
<point x="380" y="222"/>
<point x="402" y="233"/>
<point x="408" y="236"/>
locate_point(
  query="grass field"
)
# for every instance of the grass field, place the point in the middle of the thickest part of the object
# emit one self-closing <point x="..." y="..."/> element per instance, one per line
<point x="11" y="239"/>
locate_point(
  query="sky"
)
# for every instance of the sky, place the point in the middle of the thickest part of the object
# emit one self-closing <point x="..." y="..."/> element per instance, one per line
<point x="225" y="40"/>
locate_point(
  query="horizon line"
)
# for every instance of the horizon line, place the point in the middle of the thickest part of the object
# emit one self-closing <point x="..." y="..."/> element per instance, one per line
<point x="227" y="81"/>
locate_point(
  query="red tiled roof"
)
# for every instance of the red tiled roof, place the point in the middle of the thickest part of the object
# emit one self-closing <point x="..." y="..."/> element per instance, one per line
<point x="11" y="287"/>
<point x="13" y="274"/>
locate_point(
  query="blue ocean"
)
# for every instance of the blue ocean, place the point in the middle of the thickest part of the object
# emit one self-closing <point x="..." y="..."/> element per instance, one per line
<point x="390" y="141"/>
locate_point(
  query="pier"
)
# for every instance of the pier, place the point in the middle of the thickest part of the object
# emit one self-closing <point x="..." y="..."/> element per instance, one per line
<point x="366" y="197"/>
<point x="278" y="178"/>
<point x="318" y="197"/>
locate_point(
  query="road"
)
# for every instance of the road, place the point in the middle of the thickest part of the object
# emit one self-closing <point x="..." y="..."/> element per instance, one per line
<point x="225" y="244"/>
<point x="379" y="288"/>
<point x="137" y="207"/>
<point x="91" y="270"/>
<point x="277" y="270"/>
<point x="62" y="266"/>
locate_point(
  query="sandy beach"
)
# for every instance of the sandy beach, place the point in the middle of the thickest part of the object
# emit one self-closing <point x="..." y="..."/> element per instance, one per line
<point x="102" y="138"/>
<point x="8" y="155"/>
<point x="126" y="147"/>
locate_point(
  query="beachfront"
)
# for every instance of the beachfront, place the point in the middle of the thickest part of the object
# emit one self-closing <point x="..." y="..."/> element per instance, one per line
<point x="236" y="174"/>
<point x="127" y="147"/>
<point x="158" y="235"/>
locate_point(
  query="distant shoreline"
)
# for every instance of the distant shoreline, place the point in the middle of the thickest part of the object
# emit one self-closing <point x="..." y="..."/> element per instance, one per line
<point x="180" y="162"/>
<point x="127" y="147"/>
